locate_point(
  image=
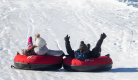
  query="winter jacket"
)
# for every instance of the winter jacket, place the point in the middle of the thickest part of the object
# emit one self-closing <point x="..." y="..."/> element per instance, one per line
<point x="41" y="50"/>
<point x="81" y="55"/>
<point x="95" y="53"/>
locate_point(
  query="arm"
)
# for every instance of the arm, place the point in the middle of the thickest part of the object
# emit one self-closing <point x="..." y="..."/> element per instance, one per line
<point x="68" y="47"/>
<point x="96" y="52"/>
<point x="100" y="41"/>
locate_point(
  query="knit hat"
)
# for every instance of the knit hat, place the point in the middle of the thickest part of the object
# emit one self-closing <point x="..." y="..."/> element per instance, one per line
<point x="40" y="42"/>
<point x="83" y="46"/>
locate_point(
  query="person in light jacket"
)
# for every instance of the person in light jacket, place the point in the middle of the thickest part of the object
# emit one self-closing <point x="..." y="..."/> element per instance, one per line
<point x="40" y="48"/>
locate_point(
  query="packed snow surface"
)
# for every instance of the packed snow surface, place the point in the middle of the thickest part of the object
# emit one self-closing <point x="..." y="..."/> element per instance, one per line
<point x="82" y="20"/>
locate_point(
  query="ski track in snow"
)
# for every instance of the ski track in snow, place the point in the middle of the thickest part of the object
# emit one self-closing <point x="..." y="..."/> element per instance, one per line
<point x="127" y="39"/>
<point x="86" y="24"/>
<point x="82" y="20"/>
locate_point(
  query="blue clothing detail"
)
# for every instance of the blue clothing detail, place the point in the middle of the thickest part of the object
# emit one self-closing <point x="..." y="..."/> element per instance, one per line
<point x="81" y="55"/>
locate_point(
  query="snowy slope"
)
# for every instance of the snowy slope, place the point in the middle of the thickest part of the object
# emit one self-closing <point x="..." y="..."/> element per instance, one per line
<point x="133" y="3"/>
<point x="82" y="20"/>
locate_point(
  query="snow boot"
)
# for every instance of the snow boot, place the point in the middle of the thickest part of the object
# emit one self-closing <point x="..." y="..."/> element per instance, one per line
<point x="30" y="43"/>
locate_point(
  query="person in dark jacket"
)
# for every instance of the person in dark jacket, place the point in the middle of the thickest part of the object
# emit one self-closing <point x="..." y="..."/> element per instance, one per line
<point x="84" y="51"/>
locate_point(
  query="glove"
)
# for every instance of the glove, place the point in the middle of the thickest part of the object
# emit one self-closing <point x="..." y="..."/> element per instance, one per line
<point x="88" y="46"/>
<point x="67" y="38"/>
<point x="103" y="36"/>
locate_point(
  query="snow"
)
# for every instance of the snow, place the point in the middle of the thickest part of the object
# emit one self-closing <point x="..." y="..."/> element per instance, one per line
<point x="81" y="20"/>
<point x="133" y="3"/>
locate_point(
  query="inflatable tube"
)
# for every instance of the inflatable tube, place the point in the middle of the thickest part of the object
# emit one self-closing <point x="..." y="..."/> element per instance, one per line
<point x="37" y="62"/>
<point x="102" y="63"/>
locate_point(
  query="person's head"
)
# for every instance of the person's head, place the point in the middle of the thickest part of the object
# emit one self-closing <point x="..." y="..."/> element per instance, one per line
<point x="40" y="42"/>
<point x="83" y="47"/>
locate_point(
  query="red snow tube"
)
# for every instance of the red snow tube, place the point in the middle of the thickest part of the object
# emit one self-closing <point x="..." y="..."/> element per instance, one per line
<point x="38" y="62"/>
<point x="95" y="64"/>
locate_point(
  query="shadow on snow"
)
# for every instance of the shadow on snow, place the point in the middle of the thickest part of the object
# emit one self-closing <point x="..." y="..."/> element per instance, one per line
<point x="112" y="70"/>
<point x="124" y="70"/>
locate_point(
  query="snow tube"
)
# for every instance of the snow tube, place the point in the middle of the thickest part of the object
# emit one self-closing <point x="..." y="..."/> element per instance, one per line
<point x="37" y="62"/>
<point x="102" y="63"/>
